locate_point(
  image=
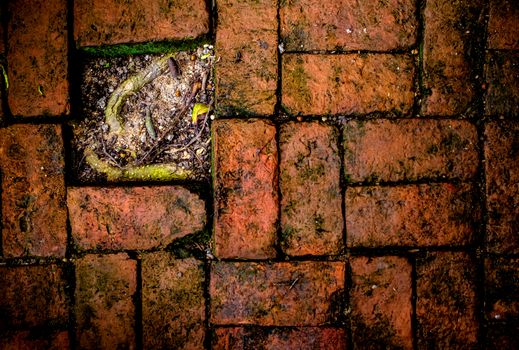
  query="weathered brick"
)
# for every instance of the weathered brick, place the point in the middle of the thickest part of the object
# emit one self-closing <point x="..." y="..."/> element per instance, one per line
<point x="245" y="183"/>
<point x="310" y="163"/>
<point x="104" y="310"/>
<point x="502" y="75"/>
<point x="173" y="304"/>
<point x="503" y="27"/>
<point x="397" y="150"/>
<point x="32" y="296"/>
<point x="347" y="84"/>
<point x="502" y="181"/>
<point x="276" y="294"/>
<point x="37" y="56"/>
<point x="381" y="303"/>
<point x="348" y="25"/>
<point x="452" y="34"/>
<point x="33" y="191"/>
<point x="29" y="340"/>
<point x="98" y="22"/>
<point x="502" y="289"/>
<point x="411" y="215"/>
<point x="133" y="217"/>
<point x="304" y="338"/>
<point x="246" y="44"/>
<point x="446" y="301"/>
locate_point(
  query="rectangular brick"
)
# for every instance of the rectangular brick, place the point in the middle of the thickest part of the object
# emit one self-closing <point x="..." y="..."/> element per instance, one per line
<point x="33" y="191"/>
<point x="502" y="186"/>
<point x="276" y="294"/>
<point x="102" y="22"/>
<point x="32" y="296"/>
<point x="407" y="150"/>
<point x="173" y="302"/>
<point x="38" y="57"/>
<point x="246" y="44"/>
<point x="104" y="310"/>
<point x="502" y="89"/>
<point x="446" y="301"/>
<point x="380" y="300"/>
<point x="133" y="217"/>
<point x="452" y="34"/>
<point x="245" y="188"/>
<point x="347" y="84"/>
<point x="411" y="215"/>
<point x="27" y="340"/>
<point x="310" y="163"/>
<point x="304" y="338"/>
<point x="502" y="289"/>
<point x="348" y="25"/>
<point x="503" y="26"/>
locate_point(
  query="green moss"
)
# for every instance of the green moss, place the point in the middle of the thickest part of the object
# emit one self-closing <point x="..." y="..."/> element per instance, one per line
<point x="142" y="48"/>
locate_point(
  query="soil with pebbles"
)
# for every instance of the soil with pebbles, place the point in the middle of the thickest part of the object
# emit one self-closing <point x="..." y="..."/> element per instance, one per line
<point x="172" y="138"/>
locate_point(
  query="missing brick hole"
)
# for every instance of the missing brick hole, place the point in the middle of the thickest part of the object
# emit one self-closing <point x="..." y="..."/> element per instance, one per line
<point x="145" y="117"/>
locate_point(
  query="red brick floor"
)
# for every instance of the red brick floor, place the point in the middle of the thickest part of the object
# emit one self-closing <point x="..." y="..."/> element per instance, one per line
<point x="365" y="190"/>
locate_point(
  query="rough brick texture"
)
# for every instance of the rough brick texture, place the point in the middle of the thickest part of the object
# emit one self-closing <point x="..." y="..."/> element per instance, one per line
<point x="276" y="294"/>
<point x="503" y="27"/>
<point x="502" y="185"/>
<point x="246" y="44"/>
<point x="451" y="38"/>
<point x="502" y="289"/>
<point x="310" y="164"/>
<point x="502" y="75"/>
<point x="446" y="301"/>
<point x="33" y="191"/>
<point x="173" y="304"/>
<point x="98" y="22"/>
<point x="347" y="84"/>
<point x="27" y="340"/>
<point x="409" y="150"/>
<point x="37" y="56"/>
<point x="348" y="25"/>
<point x="411" y="215"/>
<point x="132" y="218"/>
<point x="245" y="188"/>
<point x="32" y="296"/>
<point x="381" y="303"/>
<point x="305" y="338"/>
<point x="104" y="310"/>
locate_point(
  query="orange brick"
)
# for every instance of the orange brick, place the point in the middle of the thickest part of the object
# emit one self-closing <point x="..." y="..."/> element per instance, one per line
<point x="310" y="163"/>
<point x="104" y="310"/>
<point x="134" y="217"/>
<point x="407" y="150"/>
<point x="276" y="294"/>
<point x="503" y="26"/>
<point x="246" y="44"/>
<point x="173" y="302"/>
<point x="411" y="215"/>
<point x="32" y="296"/>
<point x="502" y="289"/>
<point x="347" y="84"/>
<point x="101" y="22"/>
<point x="348" y="25"/>
<point x="304" y="338"/>
<point x="446" y="301"/>
<point x="33" y="191"/>
<point x="452" y="32"/>
<point x="381" y="303"/>
<point x="245" y="188"/>
<point x="27" y="340"/>
<point x="37" y="55"/>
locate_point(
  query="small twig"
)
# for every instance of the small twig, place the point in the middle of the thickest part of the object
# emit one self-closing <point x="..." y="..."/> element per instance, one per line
<point x="105" y="152"/>
<point x="293" y="283"/>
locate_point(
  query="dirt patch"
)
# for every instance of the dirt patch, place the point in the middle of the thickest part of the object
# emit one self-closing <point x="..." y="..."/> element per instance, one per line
<point x="138" y="121"/>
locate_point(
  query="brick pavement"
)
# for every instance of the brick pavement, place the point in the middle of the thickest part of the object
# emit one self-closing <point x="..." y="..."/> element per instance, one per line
<point x="364" y="190"/>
